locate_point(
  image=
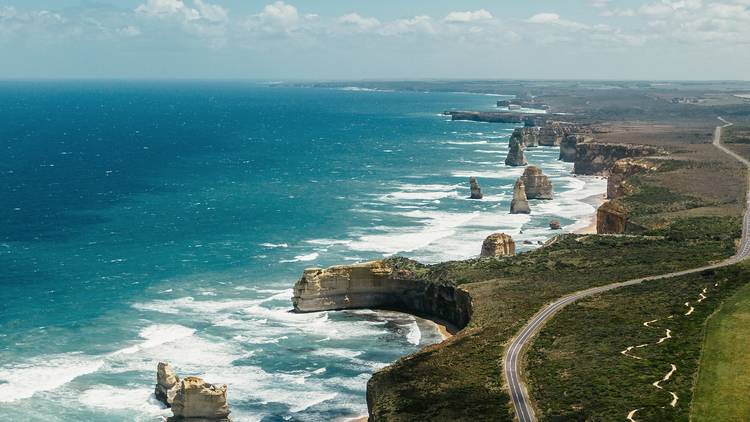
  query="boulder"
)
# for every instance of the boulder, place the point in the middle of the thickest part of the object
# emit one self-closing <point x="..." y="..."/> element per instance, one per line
<point x="166" y="383"/>
<point x="476" y="191"/>
<point x="555" y="225"/>
<point x="198" y="400"/>
<point x="537" y="185"/>
<point x="519" y="204"/>
<point x="568" y="148"/>
<point x="515" y="153"/>
<point x="498" y="244"/>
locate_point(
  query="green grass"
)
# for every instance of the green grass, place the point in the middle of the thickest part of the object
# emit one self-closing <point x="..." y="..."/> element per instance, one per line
<point x="722" y="391"/>
<point x="576" y="368"/>
<point x="463" y="379"/>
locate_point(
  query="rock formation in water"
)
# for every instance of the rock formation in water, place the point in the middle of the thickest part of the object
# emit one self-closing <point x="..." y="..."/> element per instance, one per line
<point x="528" y="136"/>
<point x="476" y="191"/>
<point x="197" y="400"/>
<point x="392" y="283"/>
<point x="498" y="244"/>
<point x="568" y="148"/>
<point x="515" y="153"/>
<point x="555" y="225"/>
<point x="519" y="204"/>
<point x="617" y="183"/>
<point x="166" y="383"/>
<point x="537" y="185"/>
<point x="191" y="398"/>
<point x="597" y="158"/>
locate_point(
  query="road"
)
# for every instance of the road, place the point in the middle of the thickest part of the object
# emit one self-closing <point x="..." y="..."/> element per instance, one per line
<point x="519" y="394"/>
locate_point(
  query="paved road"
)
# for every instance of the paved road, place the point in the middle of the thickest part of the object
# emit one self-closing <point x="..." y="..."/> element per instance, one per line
<point x="518" y="393"/>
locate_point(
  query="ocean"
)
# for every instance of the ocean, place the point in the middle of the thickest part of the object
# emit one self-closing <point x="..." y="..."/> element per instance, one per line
<point x="149" y="221"/>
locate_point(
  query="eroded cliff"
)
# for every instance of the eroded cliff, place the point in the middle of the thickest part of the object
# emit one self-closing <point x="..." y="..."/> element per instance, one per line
<point x="595" y="158"/>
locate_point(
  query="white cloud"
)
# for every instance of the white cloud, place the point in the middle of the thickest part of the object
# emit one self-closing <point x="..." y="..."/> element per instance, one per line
<point x="667" y="7"/>
<point x="554" y="19"/>
<point x="362" y="23"/>
<point x="281" y="14"/>
<point x="417" y="24"/>
<point x="599" y="3"/>
<point x="211" y="12"/>
<point x="468" y="16"/>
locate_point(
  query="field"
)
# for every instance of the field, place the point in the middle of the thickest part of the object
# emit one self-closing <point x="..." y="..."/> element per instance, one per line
<point x="721" y="392"/>
<point x="599" y="358"/>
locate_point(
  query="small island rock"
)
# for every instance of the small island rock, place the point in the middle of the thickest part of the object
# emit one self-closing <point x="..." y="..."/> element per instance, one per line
<point x="498" y="244"/>
<point x="555" y="225"/>
<point x="197" y="399"/>
<point x="476" y="191"/>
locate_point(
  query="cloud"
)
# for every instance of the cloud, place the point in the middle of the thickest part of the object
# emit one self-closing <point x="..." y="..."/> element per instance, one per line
<point x="177" y="8"/>
<point x="667" y="7"/>
<point x="554" y="19"/>
<point x="468" y="16"/>
<point x="417" y="24"/>
<point x="211" y="12"/>
<point x="362" y="23"/>
<point x="280" y="13"/>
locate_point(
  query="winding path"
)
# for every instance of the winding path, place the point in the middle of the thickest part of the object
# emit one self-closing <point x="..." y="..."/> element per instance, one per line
<point x="513" y="354"/>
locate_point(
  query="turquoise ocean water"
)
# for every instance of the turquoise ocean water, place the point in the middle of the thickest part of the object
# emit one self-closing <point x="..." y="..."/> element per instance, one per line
<point x="147" y="221"/>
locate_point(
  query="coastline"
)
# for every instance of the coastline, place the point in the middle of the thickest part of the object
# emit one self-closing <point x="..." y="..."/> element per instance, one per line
<point x="596" y="201"/>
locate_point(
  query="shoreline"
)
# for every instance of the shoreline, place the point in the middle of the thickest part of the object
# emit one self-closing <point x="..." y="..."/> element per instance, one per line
<point x="596" y="201"/>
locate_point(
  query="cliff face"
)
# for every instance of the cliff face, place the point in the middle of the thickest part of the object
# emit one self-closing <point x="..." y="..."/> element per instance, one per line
<point x="486" y="116"/>
<point x="385" y="284"/>
<point x="498" y="244"/>
<point x="537" y="185"/>
<point x="611" y="219"/>
<point x="617" y="183"/>
<point x="553" y="133"/>
<point x="597" y="159"/>
<point x="515" y="153"/>
<point x="568" y="148"/>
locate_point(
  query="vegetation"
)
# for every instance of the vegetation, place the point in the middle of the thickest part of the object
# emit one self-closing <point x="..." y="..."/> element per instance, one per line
<point x="721" y="392"/>
<point x="576" y="365"/>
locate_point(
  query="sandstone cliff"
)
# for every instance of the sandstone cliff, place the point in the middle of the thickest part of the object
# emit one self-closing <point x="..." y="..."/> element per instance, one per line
<point x="568" y="148"/>
<point x="537" y="184"/>
<point x="519" y="204"/>
<point x="498" y="244"/>
<point x="476" y="191"/>
<point x="553" y="133"/>
<point x="515" y="153"/>
<point x="385" y="284"/>
<point x="486" y="116"/>
<point x="617" y="183"/>
<point x="595" y="158"/>
<point x="611" y="219"/>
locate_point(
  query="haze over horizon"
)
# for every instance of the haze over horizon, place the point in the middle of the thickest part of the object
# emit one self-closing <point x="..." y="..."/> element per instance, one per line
<point x="282" y="40"/>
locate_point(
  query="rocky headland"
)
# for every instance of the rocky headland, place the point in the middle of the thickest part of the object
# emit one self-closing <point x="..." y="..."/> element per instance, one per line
<point x="493" y="117"/>
<point x="593" y="158"/>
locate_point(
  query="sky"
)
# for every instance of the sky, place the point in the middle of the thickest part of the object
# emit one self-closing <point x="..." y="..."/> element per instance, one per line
<point x="368" y="39"/>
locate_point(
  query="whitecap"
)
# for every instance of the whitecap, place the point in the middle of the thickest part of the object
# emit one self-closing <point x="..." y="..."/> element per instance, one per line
<point x="44" y="373"/>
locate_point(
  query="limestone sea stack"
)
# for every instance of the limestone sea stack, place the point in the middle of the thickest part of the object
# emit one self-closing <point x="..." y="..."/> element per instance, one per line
<point x="191" y="398"/>
<point x="476" y="191"/>
<point x="166" y="383"/>
<point x="555" y="225"/>
<point x="536" y="183"/>
<point x="529" y="136"/>
<point x="197" y="400"/>
<point x="498" y="244"/>
<point x="519" y="204"/>
<point x="515" y="153"/>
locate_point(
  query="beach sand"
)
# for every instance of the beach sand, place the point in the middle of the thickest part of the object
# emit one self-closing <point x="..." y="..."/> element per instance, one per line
<point x="596" y="201"/>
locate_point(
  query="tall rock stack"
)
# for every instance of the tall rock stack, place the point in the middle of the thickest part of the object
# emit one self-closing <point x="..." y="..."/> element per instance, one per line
<point x="529" y="136"/>
<point x="191" y="398"/>
<point x="476" y="191"/>
<point x="166" y="383"/>
<point x="537" y="184"/>
<point x="498" y="244"/>
<point x="568" y="148"/>
<point x="515" y="153"/>
<point x="519" y="204"/>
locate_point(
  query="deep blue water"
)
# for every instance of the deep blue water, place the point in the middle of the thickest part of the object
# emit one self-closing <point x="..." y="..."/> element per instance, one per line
<point x="147" y="221"/>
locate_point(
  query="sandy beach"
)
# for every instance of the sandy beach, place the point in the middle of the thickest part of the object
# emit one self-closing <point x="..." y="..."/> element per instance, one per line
<point x="596" y="201"/>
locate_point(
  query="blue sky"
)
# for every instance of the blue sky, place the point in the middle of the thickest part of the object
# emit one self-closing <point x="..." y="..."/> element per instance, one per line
<point x="384" y="39"/>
